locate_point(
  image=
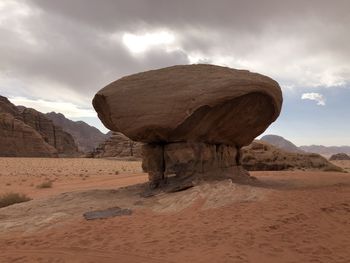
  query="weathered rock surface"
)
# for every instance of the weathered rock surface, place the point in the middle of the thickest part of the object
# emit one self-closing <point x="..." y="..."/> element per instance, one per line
<point x="262" y="156"/>
<point x="7" y="107"/>
<point x="340" y="157"/>
<point x="194" y="118"/>
<point x="86" y="137"/>
<point x="52" y="134"/>
<point x="19" y="139"/>
<point x="190" y="103"/>
<point x="28" y="133"/>
<point x="117" y="145"/>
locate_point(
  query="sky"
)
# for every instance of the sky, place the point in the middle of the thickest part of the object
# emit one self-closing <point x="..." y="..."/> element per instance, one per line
<point x="55" y="55"/>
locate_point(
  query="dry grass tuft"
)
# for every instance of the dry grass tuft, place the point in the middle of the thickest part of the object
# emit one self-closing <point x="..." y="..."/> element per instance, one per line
<point x="46" y="184"/>
<point x="13" y="198"/>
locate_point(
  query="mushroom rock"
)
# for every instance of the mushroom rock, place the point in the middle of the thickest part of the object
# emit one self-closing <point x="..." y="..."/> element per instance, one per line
<point x="193" y="119"/>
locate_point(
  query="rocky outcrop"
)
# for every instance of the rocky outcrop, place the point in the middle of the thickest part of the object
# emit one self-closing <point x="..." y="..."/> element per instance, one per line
<point x="262" y="156"/>
<point x="117" y="145"/>
<point x="190" y="116"/>
<point x="18" y="139"/>
<point x="52" y="134"/>
<point x="282" y="143"/>
<point x="339" y="157"/>
<point x="86" y="137"/>
<point x="28" y="133"/>
<point x="7" y="107"/>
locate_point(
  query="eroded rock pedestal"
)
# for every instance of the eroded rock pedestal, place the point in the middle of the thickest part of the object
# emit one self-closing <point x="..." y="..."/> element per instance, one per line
<point x="193" y="119"/>
<point x="188" y="161"/>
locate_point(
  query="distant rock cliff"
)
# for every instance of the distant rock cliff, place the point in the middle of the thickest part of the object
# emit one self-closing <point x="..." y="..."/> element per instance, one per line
<point x="28" y="133"/>
<point x="52" y="134"/>
<point x="86" y="137"/>
<point x="19" y="139"/>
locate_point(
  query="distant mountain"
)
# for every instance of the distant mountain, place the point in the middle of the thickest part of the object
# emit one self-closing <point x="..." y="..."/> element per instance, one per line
<point x="87" y="137"/>
<point x="326" y="151"/>
<point x="281" y="143"/>
<point x="286" y="145"/>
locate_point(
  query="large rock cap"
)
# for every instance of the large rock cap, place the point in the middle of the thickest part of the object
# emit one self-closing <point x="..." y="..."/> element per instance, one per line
<point x="203" y="103"/>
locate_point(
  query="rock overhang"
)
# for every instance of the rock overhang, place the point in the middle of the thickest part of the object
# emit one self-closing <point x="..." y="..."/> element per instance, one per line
<point x="193" y="119"/>
<point x="165" y="105"/>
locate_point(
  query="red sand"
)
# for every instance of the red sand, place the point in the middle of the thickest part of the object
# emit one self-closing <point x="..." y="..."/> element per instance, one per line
<point x="304" y="217"/>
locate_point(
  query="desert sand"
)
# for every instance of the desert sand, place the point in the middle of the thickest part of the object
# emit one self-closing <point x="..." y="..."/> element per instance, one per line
<point x="282" y="217"/>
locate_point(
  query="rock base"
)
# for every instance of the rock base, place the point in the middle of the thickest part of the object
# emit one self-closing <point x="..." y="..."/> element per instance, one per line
<point x="185" y="162"/>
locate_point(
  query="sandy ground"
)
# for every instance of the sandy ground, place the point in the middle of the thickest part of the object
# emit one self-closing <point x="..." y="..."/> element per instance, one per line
<point x="286" y="217"/>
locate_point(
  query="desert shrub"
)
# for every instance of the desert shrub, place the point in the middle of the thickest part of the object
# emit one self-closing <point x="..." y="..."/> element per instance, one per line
<point x="13" y="198"/>
<point x="46" y="184"/>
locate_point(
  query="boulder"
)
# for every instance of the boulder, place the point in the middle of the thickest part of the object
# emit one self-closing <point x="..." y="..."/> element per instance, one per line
<point x="192" y="102"/>
<point x="339" y="157"/>
<point x="192" y="118"/>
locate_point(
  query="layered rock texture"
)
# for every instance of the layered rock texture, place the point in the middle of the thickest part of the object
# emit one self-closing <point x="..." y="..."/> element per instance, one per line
<point x="339" y="157"/>
<point x="86" y="137"/>
<point x="262" y="156"/>
<point x="28" y="133"/>
<point x="54" y="135"/>
<point x="193" y="119"/>
<point x="19" y="139"/>
<point x="117" y="145"/>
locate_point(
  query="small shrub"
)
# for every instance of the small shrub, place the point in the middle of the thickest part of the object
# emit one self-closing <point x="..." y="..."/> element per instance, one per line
<point x="12" y="198"/>
<point x="47" y="184"/>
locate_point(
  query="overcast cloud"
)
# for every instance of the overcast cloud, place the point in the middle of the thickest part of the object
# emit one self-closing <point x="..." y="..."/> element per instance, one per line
<point x="65" y="51"/>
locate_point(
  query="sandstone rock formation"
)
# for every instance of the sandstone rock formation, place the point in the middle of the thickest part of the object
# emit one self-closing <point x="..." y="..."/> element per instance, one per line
<point x="52" y="134"/>
<point x="194" y="119"/>
<point x="339" y="157"/>
<point x="7" y="107"/>
<point x="86" y="137"/>
<point x="282" y="143"/>
<point x="117" y="145"/>
<point x="18" y="138"/>
<point x="28" y="133"/>
<point x="262" y="156"/>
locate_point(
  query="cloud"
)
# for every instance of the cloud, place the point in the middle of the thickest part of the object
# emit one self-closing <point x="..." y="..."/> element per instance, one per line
<point x="68" y="109"/>
<point x="67" y="50"/>
<point x="314" y="96"/>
